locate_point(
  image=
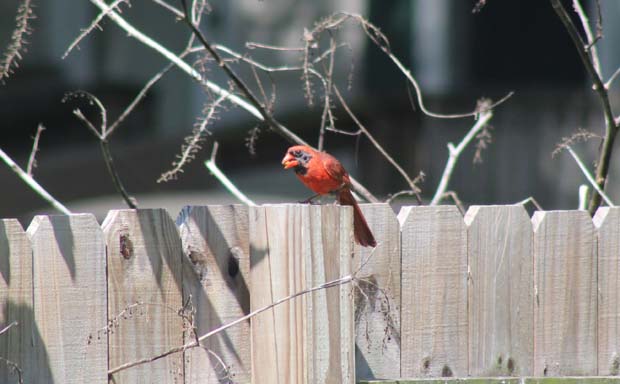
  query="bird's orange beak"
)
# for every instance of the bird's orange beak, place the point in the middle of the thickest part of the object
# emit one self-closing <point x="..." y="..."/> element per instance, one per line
<point x="289" y="161"/>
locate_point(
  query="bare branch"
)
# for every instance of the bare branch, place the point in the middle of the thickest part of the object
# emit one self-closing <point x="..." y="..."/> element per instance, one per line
<point x="250" y="107"/>
<point x="611" y="125"/>
<point x="9" y="326"/>
<point x="531" y="200"/>
<point x="32" y="162"/>
<point x="581" y="135"/>
<point x="583" y="197"/>
<point x="32" y="183"/>
<point x="589" y="177"/>
<point x="327" y="108"/>
<point x="192" y="143"/>
<point x="381" y="41"/>
<point x="333" y="283"/>
<point x="93" y="25"/>
<point x="170" y="8"/>
<point x="139" y="97"/>
<point x="374" y="142"/>
<point x="591" y="39"/>
<point x="102" y="135"/>
<point x="252" y="45"/>
<point x="612" y="78"/>
<point x="14" y="368"/>
<point x="14" y="51"/>
<point x="455" y="152"/>
<point x="455" y="198"/>
<point x="221" y="177"/>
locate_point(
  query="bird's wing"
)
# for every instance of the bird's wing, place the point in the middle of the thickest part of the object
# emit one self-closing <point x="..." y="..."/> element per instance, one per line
<point x="334" y="169"/>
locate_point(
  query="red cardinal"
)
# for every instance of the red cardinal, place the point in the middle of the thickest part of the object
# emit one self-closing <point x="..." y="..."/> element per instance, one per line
<point x="323" y="174"/>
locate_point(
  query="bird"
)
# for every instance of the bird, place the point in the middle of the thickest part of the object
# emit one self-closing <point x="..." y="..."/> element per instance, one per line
<point x="324" y="174"/>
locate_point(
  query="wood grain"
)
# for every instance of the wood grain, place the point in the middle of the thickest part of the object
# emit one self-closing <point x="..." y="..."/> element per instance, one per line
<point x="377" y="299"/>
<point x="309" y="339"/>
<point x="434" y="292"/>
<point x="566" y="303"/>
<point x="145" y="294"/>
<point x="216" y="245"/>
<point x="607" y="221"/>
<point x="500" y="291"/>
<point x="16" y="302"/>
<point x="69" y="274"/>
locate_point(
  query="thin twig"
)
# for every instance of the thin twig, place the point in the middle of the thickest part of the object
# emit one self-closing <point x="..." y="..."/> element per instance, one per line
<point x="333" y="283"/>
<point x="32" y="162"/>
<point x="583" y="197"/>
<point x="531" y="200"/>
<point x="327" y="107"/>
<point x="612" y="78"/>
<point x="12" y="365"/>
<point x="221" y="177"/>
<point x="89" y="29"/>
<point x="588" y="176"/>
<point x="9" y="326"/>
<point x="32" y="183"/>
<point x="377" y="145"/>
<point x="15" y="49"/>
<point x="233" y="98"/>
<point x="102" y="135"/>
<point x="591" y="38"/>
<point x="193" y="143"/>
<point x="170" y="8"/>
<point x="455" y="198"/>
<point x="611" y="125"/>
<point x="455" y="152"/>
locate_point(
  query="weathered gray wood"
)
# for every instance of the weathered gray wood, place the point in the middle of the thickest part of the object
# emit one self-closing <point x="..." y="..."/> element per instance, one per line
<point x="500" y="291"/>
<point x="434" y="292"/>
<point x="69" y="274"/>
<point x="566" y="301"/>
<point x="144" y="294"/>
<point x="216" y="274"/>
<point x="377" y="299"/>
<point x="309" y="339"/>
<point x="607" y="220"/>
<point x="16" y="303"/>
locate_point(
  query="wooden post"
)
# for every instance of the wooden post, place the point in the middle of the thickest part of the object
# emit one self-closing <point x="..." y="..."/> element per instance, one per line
<point x="16" y="304"/>
<point x="566" y="300"/>
<point x="607" y="220"/>
<point x="377" y="297"/>
<point x="309" y="339"/>
<point x="434" y="292"/>
<point x="144" y="294"/>
<point x="216" y="242"/>
<point x="500" y="291"/>
<point x="69" y="273"/>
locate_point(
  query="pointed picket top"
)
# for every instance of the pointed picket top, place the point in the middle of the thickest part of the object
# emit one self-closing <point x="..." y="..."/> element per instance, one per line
<point x="565" y="311"/>
<point x="377" y="302"/>
<point x="16" y="301"/>
<point x="433" y="292"/>
<point x="69" y="274"/>
<point x="607" y="221"/>
<point x="500" y="291"/>
<point x="215" y="240"/>
<point x="145" y="264"/>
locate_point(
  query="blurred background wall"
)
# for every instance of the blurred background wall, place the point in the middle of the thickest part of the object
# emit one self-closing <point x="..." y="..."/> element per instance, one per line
<point x="457" y="57"/>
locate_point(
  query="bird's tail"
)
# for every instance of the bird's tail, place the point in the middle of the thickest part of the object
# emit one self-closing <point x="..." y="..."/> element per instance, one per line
<point x="363" y="235"/>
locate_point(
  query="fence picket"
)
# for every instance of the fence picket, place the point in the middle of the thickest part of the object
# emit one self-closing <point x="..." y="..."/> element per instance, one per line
<point x="565" y="308"/>
<point x="607" y="220"/>
<point x="377" y="300"/>
<point x="500" y="291"/>
<point x="309" y="339"/>
<point x="69" y="274"/>
<point x="16" y="303"/>
<point x="216" y="242"/>
<point x="433" y="291"/>
<point x="144" y="294"/>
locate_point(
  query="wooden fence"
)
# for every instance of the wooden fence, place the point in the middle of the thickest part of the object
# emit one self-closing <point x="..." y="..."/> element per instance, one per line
<point x="492" y="294"/>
